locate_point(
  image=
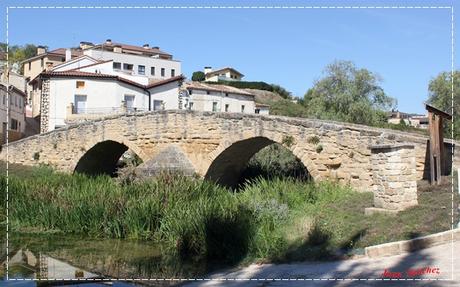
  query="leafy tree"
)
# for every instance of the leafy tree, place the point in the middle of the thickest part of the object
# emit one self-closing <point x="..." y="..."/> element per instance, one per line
<point x="17" y="54"/>
<point x="198" y="76"/>
<point x="347" y="93"/>
<point x="440" y="96"/>
<point x="281" y="91"/>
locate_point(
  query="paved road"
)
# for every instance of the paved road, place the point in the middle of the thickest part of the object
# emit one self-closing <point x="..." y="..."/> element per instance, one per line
<point x="310" y="273"/>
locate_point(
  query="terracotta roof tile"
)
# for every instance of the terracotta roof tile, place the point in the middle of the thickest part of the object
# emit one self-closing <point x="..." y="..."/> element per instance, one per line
<point x="216" y="88"/>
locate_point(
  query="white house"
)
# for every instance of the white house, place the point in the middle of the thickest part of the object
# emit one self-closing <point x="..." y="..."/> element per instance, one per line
<point x="144" y="62"/>
<point x="223" y="74"/>
<point x="78" y="95"/>
<point x="217" y="98"/>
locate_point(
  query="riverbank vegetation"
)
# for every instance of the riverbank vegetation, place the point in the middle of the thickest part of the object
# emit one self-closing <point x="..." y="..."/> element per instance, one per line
<point x="277" y="219"/>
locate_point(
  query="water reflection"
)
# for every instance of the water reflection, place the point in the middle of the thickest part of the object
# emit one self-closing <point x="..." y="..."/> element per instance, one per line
<point x="69" y="257"/>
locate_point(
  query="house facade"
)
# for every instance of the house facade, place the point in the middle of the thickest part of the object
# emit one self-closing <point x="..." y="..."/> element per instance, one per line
<point x="15" y="126"/>
<point x="224" y="74"/>
<point x="217" y="98"/>
<point x="74" y="96"/>
<point x="42" y="61"/>
<point x="143" y="62"/>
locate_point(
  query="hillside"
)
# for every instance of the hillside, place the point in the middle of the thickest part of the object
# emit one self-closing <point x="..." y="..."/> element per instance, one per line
<point x="264" y="97"/>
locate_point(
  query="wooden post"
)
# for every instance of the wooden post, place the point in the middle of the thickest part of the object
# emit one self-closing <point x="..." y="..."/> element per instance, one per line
<point x="437" y="162"/>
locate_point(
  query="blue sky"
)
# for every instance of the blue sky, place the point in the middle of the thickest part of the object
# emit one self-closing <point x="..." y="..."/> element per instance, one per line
<point x="289" y="47"/>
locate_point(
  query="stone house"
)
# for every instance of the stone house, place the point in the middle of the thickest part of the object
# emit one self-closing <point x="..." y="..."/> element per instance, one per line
<point x="15" y="126"/>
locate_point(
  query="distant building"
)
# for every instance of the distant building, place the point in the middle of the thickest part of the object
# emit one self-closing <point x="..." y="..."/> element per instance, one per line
<point x="414" y="120"/>
<point x="217" y="98"/>
<point x="15" y="126"/>
<point x="224" y="74"/>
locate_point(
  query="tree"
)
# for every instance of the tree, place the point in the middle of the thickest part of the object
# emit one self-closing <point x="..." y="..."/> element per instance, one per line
<point x="281" y="91"/>
<point x="198" y="76"/>
<point x="17" y="54"/>
<point x="440" y="96"/>
<point x="347" y="93"/>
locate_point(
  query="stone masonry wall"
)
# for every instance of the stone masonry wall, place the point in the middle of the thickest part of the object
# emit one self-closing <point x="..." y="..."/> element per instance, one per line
<point x="394" y="175"/>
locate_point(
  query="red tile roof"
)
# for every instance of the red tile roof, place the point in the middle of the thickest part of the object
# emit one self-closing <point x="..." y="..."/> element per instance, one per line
<point x="224" y="69"/>
<point x="216" y="88"/>
<point x="150" y="50"/>
<point x="166" y="81"/>
<point x="57" y="52"/>
<point x="61" y="52"/>
<point x="80" y="74"/>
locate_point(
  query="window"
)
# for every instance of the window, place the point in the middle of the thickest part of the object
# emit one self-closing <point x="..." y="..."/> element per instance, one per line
<point x="128" y="67"/>
<point x="80" y="104"/>
<point x="257" y="111"/>
<point x="162" y="72"/>
<point x="30" y="65"/>
<point x="129" y="102"/>
<point x="13" y="124"/>
<point x="41" y="62"/>
<point x="208" y="92"/>
<point x="80" y="84"/>
<point x="116" y="66"/>
<point x="4" y="99"/>
<point x="242" y="108"/>
<point x="141" y="70"/>
<point x="214" y="106"/>
<point x="226" y="107"/>
<point x="157" y="105"/>
<point x="190" y="106"/>
<point x="152" y="71"/>
<point x="226" y="94"/>
<point x="173" y="72"/>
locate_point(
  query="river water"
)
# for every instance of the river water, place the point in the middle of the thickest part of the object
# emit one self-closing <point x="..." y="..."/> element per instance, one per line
<point x="58" y="257"/>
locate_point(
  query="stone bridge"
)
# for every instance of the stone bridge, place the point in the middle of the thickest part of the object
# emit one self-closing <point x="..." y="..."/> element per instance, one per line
<point x="217" y="146"/>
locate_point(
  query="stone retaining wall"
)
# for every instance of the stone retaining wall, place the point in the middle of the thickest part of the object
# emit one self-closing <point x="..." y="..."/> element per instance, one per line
<point x="400" y="247"/>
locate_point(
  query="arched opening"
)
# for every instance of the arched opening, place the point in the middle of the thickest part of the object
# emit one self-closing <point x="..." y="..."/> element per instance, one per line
<point x="106" y="157"/>
<point x="251" y="158"/>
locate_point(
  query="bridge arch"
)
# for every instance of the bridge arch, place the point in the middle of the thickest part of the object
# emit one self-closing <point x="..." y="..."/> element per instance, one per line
<point x="102" y="157"/>
<point x="230" y="159"/>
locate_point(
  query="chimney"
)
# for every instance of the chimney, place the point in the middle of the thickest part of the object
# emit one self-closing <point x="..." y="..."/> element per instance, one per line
<point x="207" y="70"/>
<point x="41" y="50"/>
<point x="146" y="46"/>
<point x="156" y="48"/>
<point x="68" y="55"/>
<point x="108" y="42"/>
<point x="117" y="49"/>
<point x="86" y="45"/>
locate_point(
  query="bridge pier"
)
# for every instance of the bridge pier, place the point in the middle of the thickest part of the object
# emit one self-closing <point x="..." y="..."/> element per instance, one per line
<point x="394" y="178"/>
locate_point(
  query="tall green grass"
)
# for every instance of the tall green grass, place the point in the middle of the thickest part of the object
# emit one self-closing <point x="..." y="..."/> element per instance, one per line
<point x="192" y="218"/>
<point x="266" y="220"/>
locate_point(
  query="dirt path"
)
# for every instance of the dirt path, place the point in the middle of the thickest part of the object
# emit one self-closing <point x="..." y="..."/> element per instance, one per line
<point x="310" y="274"/>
